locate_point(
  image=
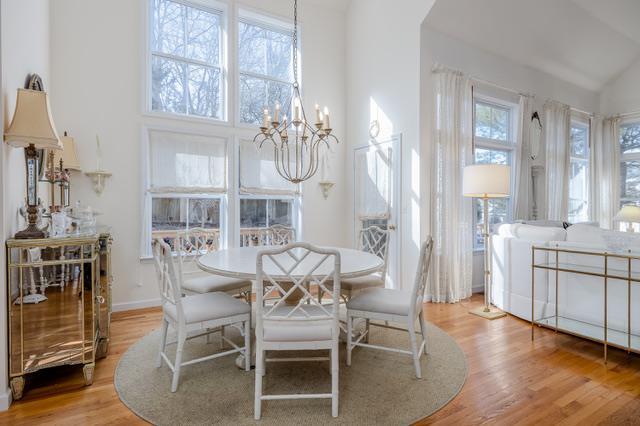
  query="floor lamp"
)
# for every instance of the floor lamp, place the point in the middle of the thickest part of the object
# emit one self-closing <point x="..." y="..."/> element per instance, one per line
<point x="486" y="181"/>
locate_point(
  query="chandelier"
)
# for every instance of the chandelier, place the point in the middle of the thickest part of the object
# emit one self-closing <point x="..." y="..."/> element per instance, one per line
<point x="296" y="143"/>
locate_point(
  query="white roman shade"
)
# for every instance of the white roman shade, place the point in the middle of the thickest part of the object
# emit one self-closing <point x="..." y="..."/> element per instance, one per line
<point x="186" y="163"/>
<point x="258" y="174"/>
<point x="373" y="178"/>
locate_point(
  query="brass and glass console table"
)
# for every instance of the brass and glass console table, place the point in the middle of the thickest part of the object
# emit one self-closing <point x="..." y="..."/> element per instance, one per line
<point x="59" y="304"/>
<point x="601" y="267"/>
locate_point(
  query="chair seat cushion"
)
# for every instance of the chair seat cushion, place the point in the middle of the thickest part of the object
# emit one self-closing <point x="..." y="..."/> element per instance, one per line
<point x="381" y="300"/>
<point x="368" y="281"/>
<point x="207" y="307"/>
<point x="209" y="283"/>
<point x="299" y="331"/>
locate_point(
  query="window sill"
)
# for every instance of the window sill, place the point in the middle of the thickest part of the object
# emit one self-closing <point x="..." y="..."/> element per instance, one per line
<point x="186" y="118"/>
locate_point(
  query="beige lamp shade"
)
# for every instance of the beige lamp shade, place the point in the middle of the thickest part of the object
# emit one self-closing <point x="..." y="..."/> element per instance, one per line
<point x="486" y="180"/>
<point x="629" y="213"/>
<point x="68" y="154"/>
<point x="32" y="122"/>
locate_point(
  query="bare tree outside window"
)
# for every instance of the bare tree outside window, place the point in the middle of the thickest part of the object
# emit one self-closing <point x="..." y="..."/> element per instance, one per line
<point x="265" y="59"/>
<point x="186" y="70"/>
<point x="630" y="164"/>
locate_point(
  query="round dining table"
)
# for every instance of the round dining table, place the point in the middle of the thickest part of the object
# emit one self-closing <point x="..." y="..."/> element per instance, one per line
<point x="241" y="263"/>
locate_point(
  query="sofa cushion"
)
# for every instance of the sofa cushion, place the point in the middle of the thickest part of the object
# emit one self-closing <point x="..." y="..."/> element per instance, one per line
<point x="532" y="233"/>
<point x="599" y="237"/>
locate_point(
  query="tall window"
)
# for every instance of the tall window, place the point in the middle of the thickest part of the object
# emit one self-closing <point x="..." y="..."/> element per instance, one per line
<point x="186" y="59"/>
<point x="630" y="163"/>
<point x="579" y="173"/>
<point x="186" y="184"/>
<point x="266" y="199"/>
<point x="494" y="144"/>
<point x="265" y="61"/>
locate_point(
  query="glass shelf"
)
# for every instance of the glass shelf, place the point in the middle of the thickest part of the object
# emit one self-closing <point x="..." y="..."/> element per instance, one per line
<point x="616" y="338"/>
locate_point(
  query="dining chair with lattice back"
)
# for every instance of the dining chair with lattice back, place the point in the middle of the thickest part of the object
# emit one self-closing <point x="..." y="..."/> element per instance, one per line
<point x="281" y="235"/>
<point x="393" y="306"/>
<point x="211" y="311"/>
<point x="374" y="240"/>
<point x="191" y="245"/>
<point x="293" y="319"/>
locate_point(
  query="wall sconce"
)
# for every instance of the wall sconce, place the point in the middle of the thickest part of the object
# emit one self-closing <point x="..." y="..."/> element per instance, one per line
<point x="98" y="178"/>
<point x="326" y="187"/>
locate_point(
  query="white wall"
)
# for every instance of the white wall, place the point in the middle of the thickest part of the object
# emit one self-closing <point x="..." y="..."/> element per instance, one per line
<point x="438" y="48"/>
<point x="623" y="93"/>
<point x="24" y="50"/>
<point x="98" y="74"/>
<point x="383" y="82"/>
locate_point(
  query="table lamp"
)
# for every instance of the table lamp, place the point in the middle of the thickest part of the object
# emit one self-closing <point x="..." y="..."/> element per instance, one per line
<point x="63" y="161"/>
<point x="629" y="213"/>
<point x="32" y="128"/>
<point x="486" y="181"/>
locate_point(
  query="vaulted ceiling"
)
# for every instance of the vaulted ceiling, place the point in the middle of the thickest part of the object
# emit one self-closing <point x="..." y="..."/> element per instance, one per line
<point x="586" y="42"/>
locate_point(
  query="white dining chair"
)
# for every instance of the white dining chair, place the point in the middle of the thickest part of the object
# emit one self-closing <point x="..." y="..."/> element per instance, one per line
<point x="211" y="311"/>
<point x="304" y="325"/>
<point x="395" y="306"/>
<point x="191" y="245"/>
<point x="374" y="240"/>
<point x="281" y="235"/>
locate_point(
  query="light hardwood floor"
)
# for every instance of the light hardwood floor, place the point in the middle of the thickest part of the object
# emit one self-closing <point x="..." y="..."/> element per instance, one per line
<point x="557" y="379"/>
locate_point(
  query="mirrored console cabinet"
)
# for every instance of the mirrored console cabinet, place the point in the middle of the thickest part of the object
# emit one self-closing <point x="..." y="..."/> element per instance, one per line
<point x="59" y="304"/>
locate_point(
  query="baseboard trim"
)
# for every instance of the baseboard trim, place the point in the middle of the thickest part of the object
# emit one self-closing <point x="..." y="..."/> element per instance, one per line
<point x="5" y="399"/>
<point x="138" y="304"/>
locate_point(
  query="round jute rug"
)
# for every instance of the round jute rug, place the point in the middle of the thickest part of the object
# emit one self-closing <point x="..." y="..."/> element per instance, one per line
<point x="378" y="388"/>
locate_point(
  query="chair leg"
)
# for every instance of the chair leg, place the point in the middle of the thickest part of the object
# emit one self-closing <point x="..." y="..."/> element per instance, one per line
<point x="258" y="390"/>
<point x="423" y="329"/>
<point x="414" y="346"/>
<point x="367" y="329"/>
<point x="349" y="337"/>
<point x="163" y="341"/>
<point x="334" y="378"/>
<point x="222" y="336"/>
<point x="182" y="337"/>
<point x="247" y="345"/>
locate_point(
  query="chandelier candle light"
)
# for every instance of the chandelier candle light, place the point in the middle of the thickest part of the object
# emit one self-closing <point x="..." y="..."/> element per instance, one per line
<point x="296" y="143"/>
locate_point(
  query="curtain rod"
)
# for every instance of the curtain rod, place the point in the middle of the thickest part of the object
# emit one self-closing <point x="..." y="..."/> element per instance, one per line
<point x="498" y="86"/>
<point x="628" y="114"/>
<point x="438" y="68"/>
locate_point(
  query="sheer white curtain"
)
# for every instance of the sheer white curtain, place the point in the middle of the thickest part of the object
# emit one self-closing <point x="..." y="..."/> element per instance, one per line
<point x="258" y="174"/>
<point x="181" y="162"/>
<point x="557" y="132"/>
<point x="605" y="170"/>
<point x="372" y="186"/>
<point x="522" y="190"/>
<point x="451" y="217"/>
<point x="176" y="163"/>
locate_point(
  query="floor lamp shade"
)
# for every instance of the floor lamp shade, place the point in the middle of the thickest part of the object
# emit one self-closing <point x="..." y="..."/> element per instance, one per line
<point x="486" y="181"/>
<point x="32" y="123"/>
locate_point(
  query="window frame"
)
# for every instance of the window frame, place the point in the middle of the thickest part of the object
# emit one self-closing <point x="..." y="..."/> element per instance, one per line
<point x="222" y="198"/>
<point x="229" y="129"/>
<point x="252" y="16"/>
<point x="211" y="6"/>
<point x="633" y="156"/>
<point x="584" y="123"/>
<point x="509" y="146"/>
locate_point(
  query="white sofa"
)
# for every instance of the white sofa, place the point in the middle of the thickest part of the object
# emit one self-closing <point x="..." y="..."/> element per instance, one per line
<point x="581" y="297"/>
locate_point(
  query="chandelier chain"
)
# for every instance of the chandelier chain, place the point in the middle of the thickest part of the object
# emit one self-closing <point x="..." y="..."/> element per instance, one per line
<point x="295" y="43"/>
